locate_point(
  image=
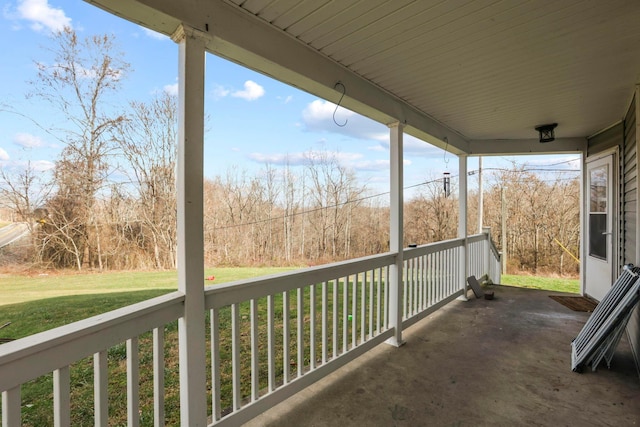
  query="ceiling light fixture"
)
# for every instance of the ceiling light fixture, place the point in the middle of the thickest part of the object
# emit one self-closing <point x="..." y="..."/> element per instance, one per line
<point x="546" y="132"/>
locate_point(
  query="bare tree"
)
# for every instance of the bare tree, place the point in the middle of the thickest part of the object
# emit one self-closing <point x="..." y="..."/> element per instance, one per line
<point x="24" y="191"/>
<point x="78" y="83"/>
<point x="148" y="143"/>
<point x="333" y="194"/>
<point x="431" y="215"/>
<point x="541" y="212"/>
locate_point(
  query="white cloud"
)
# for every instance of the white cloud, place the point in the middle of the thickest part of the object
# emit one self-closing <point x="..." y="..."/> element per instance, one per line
<point x="318" y="116"/>
<point x="4" y="156"/>
<point x="154" y="35"/>
<point x="378" y="147"/>
<point x="416" y="147"/>
<point x="42" y="165"/>
<point x="372" y="165"/>
<point x="42" y="15"/>
<point x="291" y="159"/>
<point x="27" y="140"/>
<point x="320" y="113"/>
<point x="220" y="91"/>
<point x="251" y="92"/>
<point x="171" y="89"/>
<point x="347" y="159"/>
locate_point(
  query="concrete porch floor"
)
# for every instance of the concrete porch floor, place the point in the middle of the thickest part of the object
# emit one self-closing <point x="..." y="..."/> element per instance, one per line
<point x="505" y="361"/>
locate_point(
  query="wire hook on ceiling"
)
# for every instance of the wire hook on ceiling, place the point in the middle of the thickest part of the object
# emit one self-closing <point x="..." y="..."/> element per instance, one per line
<point x="344" y="90"/>
<point x="444" y="158"/>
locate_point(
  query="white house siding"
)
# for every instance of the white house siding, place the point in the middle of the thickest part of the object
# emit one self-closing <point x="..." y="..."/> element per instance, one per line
<point x="630" y="217"/>
<point x="608" y="138"/>
<point x="623" y="135"/>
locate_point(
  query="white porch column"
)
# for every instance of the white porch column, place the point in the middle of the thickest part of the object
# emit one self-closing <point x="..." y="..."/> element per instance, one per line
<point x="191" y="327"/>
<point x="462" y="222"/>
<point x="396" y="243"/>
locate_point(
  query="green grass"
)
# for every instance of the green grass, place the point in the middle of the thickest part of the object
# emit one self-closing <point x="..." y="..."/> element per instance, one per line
<point x="546" y="283"/>
<point x="37" y="303"/>
<point x="16" y="288"/>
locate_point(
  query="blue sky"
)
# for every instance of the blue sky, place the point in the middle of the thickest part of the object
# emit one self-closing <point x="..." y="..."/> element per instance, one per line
<point x="252" y="119"/>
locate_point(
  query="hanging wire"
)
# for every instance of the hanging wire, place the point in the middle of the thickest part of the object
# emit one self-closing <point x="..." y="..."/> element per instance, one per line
<point x="444" y="158"/>
<point x="344" y="90"/>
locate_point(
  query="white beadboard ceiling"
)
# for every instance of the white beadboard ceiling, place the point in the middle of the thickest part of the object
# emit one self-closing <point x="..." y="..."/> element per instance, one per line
<point x="465" y="69"/>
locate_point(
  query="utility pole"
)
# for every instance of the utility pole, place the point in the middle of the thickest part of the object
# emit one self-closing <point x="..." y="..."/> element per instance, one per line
<point x="480" y="194"/>
<point x="504" y="230"/>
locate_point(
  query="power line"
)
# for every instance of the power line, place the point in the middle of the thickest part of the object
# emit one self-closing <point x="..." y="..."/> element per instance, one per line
<point x="526" y="170"/>
<point x="261" y="221"/>
<point x="281" y="217"/>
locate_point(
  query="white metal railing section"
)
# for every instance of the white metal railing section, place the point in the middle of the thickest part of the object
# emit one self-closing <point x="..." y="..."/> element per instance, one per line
<point x="268" y="337"/>
<point x="57" y="352"/>
<point x="273" y="336"/>
<point x="431" y="277"/>
<point x="477" y="256"/>
<point x="288" y="331"/>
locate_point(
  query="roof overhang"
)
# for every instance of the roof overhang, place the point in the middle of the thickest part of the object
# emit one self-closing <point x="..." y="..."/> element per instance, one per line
<point x="478" y="86"/>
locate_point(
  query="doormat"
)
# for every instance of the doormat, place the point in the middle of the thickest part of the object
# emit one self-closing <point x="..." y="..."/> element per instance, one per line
<point x="578" y="303"/>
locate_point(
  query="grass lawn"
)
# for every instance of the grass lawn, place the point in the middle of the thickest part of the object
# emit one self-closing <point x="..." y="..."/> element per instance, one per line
<point x="37" y="303"/>
<point x="547" y="283"/>
<point x="16" y="288"/>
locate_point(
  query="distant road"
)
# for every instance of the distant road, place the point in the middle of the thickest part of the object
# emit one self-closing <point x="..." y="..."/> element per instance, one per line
<point x="12" y="232"/>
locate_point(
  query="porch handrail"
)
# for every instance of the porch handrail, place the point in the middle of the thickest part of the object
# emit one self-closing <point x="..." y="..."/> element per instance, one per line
<point x="353" y="314"/>
<point x="331" y="314"/>
<point x="431" y="277"/>
<point x="30" y="357"/>
<point x="217" y="296"/>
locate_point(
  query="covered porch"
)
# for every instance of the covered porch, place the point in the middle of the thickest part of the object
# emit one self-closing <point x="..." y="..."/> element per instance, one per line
<point x="481" y="362"/>
<point x="470" y="77"/>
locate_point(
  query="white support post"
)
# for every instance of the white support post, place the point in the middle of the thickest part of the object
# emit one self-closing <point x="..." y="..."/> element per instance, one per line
<point x="191" y="326"/>
<point x="11" y="408"/>
<point x="158" y="377"/>
<point x="396" y="234"/>
<point x="480" y="196"/>
<point x="100" y="389"/>
<point x="133" y="383"/>
<point x="62" y="397"/>
<point x="637" y="142"/>
<point x="462" y="223"/>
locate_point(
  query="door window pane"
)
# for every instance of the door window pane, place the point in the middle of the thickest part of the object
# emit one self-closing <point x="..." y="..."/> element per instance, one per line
<point x="598" y="189"/>
<point x="597" y="238"/>
<point x="598" y="212"/>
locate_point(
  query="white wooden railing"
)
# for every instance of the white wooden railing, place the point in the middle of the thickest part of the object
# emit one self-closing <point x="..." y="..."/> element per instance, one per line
<point x="53" y="352"/>
<point x="268" y="337"/>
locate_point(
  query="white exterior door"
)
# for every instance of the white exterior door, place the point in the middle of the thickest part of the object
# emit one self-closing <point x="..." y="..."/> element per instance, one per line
<point x="600" y="232"/>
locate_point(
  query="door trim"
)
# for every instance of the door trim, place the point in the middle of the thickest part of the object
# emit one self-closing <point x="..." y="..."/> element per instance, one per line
<point x="614" y="152"/>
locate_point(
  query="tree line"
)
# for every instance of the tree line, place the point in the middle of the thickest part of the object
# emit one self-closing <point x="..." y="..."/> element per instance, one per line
<point x="110" y="202"/>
